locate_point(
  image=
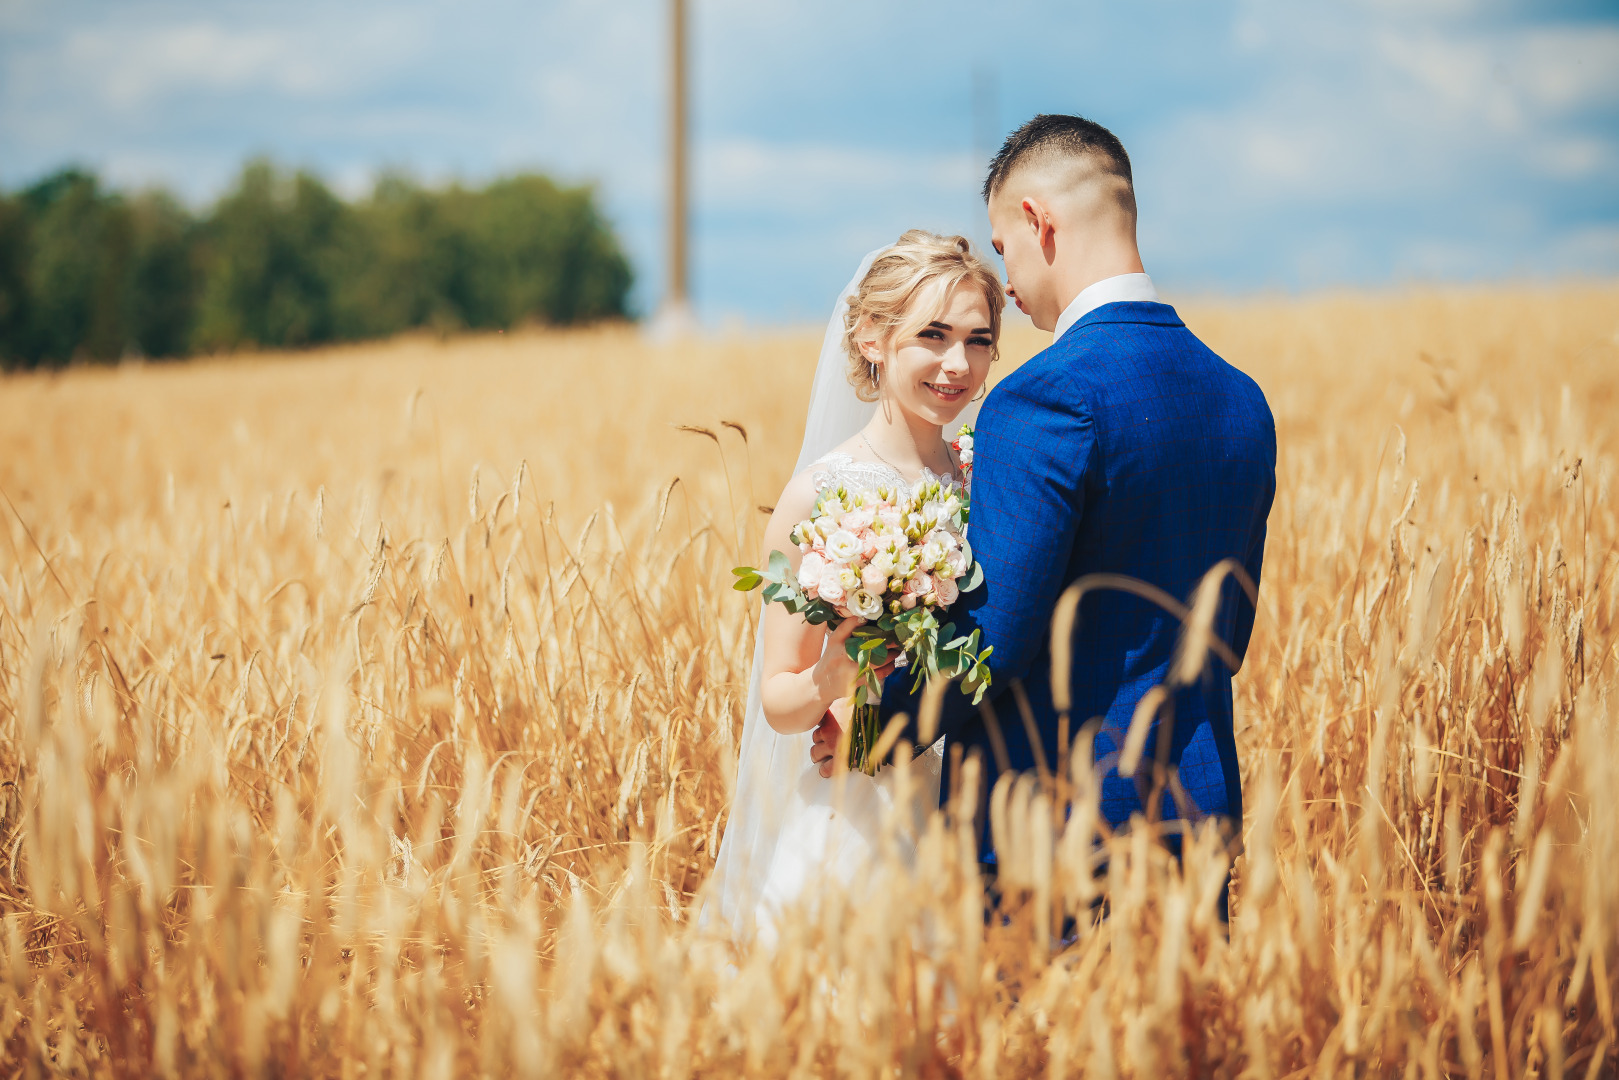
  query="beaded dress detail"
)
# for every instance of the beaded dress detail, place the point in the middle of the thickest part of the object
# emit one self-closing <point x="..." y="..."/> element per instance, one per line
<point x="840" y="468"/>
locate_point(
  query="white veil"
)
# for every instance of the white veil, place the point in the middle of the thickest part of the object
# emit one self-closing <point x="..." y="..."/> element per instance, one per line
<point x="770" y="764"/>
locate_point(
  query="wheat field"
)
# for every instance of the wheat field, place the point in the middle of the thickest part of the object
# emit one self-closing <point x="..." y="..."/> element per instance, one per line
<point x="373" y="712"/>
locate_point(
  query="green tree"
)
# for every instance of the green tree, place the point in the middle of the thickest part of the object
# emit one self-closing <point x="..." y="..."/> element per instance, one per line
<point x="76" y="241"/>
<point x="402" y="273"/>
<point x="272" y="252"/>
<point x="281" y="261"/>
<point x="163" y="276"/>
<point x="14" y="300"/>
<point x="540" y="253"/>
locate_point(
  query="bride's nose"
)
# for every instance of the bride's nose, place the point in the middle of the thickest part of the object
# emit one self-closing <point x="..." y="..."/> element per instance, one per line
<point x="955" y="359"/>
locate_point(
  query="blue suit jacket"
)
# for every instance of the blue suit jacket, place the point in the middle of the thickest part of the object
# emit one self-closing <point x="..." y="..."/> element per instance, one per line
<point x="1126" y="447"/>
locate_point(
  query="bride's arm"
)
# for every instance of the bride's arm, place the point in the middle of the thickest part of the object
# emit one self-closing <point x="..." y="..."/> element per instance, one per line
<point x="800" y="678"/>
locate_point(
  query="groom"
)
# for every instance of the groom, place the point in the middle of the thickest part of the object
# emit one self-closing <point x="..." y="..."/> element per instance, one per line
<point x="1126" y="447"/>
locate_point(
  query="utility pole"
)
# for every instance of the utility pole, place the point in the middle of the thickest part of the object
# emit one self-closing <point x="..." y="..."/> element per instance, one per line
<point x="674" y="318"/>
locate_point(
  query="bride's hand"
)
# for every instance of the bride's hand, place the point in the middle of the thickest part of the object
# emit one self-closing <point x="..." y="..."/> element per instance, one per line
<point x="834" y="671"/>
<point x="824" y="747"/>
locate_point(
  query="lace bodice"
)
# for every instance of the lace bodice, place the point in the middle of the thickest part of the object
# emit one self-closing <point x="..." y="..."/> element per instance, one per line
<point x="840" y="468"/>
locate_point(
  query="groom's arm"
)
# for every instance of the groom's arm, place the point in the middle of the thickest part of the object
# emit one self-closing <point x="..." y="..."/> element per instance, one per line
<point x="1254" y="559"/>
<point x="1032" y="449"/>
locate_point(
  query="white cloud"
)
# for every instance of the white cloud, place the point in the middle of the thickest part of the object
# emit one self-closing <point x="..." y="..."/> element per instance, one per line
<point x="1511" y="78"/>
<point x="1577" y="156"/>
<point x="1566" y="68"/>
<point x="131" y="72"/>
<point x="805" y="177"/>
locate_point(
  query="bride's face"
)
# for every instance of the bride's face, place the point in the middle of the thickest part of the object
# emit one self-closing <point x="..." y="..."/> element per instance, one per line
<point x="936" y="373"/>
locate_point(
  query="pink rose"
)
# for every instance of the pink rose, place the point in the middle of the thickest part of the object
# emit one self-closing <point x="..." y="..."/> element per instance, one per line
<point x="810" y="571"/>
<point x="874" y="579"/>
<point x="918" y="585"/>
<point x="830" y="587"/>
<point x="856" y="520"/>
<point x="908" y="601"/>
<point x="946" y="591"/>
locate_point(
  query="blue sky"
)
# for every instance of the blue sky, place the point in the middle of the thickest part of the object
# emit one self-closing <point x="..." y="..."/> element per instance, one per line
<point x="1277" y="145"/>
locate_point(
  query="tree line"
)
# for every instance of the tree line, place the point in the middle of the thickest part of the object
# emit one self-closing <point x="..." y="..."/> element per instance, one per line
<point x="281" y="261"/>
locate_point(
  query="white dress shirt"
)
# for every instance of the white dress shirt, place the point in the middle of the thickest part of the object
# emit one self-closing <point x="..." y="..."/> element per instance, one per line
<point x="1136" y="287"/>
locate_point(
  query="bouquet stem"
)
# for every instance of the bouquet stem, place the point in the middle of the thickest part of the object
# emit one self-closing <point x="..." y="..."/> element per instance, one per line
<point x="865" y="720"/>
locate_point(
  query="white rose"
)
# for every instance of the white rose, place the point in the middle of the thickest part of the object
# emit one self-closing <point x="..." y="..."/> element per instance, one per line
<point x="957" y="562"/>
<point x="848" y="579"/>
<point x="865" y="604"/>
<point x="843" y="545"/>
<point x="932" y="554"/>
<point x="883" y="561"/>
<point x="809" y="571"/>
<point x="965" y="444"/>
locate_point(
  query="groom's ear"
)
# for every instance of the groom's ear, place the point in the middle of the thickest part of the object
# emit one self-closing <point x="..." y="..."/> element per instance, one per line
<point x="1038" y="218"/>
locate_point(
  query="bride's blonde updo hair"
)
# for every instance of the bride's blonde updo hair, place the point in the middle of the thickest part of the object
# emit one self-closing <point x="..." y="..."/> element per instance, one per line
<point x="906" y="288"/>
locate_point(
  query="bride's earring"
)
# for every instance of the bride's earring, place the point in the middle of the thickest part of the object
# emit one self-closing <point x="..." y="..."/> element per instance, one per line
<point x="982" y="390"/>
<point x="876" y="374"/>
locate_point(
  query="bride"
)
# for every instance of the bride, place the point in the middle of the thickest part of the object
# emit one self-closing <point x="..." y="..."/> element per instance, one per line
<point x="908" y="348"/>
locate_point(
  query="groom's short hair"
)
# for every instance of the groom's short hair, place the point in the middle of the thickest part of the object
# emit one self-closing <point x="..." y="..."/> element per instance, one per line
<point x="1054" y="135"/>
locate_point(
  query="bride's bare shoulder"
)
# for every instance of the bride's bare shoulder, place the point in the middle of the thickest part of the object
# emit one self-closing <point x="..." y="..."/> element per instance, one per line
<point x="797" y="498"/>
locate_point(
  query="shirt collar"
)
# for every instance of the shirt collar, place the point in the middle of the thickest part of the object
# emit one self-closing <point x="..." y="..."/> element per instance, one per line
<point x="1123" y="287"/>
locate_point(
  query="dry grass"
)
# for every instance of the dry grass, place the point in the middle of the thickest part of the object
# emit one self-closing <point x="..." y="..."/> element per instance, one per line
<point x="337" y="740"/>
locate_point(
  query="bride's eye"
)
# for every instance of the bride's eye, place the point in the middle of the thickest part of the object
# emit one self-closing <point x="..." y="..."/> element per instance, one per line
<point x="982" y="342"/>
<point x="931" y="334"/>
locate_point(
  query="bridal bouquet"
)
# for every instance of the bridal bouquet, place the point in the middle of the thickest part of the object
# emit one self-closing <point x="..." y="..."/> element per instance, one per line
<point x="895" y="559"/>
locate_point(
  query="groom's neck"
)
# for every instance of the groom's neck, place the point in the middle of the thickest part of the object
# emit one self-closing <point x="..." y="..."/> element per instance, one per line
<point x="1092" y="258"/>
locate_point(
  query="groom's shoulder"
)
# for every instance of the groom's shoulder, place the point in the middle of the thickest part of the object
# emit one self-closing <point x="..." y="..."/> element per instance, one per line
<point x="1114" y="348"/>
<point x="1050" y="374"/>
<point x="1079" y="362"/>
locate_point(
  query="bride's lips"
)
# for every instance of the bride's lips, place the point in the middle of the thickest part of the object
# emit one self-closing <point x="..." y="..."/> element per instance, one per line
<point x="946" y="393"/>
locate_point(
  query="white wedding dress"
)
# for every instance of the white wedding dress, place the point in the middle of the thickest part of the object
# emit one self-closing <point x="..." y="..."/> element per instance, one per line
<point x="791" y="830"/>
